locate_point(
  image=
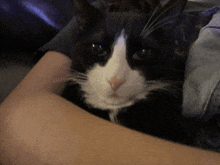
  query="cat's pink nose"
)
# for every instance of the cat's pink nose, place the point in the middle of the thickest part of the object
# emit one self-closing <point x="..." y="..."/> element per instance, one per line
<point x="116" y="83"/>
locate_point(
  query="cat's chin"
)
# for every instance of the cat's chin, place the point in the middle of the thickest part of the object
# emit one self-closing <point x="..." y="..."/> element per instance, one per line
<point x="114" y="104"/>
<point x="108" y="103"/>
<point x="119" y="101"/>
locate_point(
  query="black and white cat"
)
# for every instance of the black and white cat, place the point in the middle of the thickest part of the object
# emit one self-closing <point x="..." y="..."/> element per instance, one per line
<point x="127" y="67"/>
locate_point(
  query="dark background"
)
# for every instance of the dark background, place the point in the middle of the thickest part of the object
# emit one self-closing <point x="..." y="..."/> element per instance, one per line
<point x="26" y="25"/>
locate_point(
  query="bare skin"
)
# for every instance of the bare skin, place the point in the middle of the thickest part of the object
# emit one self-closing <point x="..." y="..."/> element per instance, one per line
<point x="40" y="127"/>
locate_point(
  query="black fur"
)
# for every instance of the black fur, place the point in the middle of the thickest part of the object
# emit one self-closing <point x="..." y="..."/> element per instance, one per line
<point x="160" y="114"/>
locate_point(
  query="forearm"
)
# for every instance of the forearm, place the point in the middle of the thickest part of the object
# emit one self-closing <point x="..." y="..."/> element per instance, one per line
<point x="58" y="132"/>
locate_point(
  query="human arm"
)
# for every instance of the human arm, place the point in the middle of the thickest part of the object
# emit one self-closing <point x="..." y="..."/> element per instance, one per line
<point x="40" y="127"/>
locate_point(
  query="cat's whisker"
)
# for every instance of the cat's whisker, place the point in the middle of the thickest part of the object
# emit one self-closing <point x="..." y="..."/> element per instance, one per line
<point x="78" y="77"/>
<point x="169" y="86"/>
<point x="78" y="73"/>
<point x="166" y="20"/>
<point x="155" y="28"/>
<point x="151" y="17"/>
<point x="81" y="77"/>
<point x="146" y="28"/>
<point x="156" y="83"/>
<point x="159" y="24"/>
<point x="77" y="80"/>
<point x="156" y="19"/>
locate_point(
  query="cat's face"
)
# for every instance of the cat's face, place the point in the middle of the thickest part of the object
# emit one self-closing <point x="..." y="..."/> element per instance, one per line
<point x="123" y="57"/>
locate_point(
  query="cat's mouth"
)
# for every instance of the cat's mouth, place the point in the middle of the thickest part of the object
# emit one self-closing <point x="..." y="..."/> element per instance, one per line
<point x="115" y="96"/>
<point x="115" y="99"/>
<point x="113" y="102"/>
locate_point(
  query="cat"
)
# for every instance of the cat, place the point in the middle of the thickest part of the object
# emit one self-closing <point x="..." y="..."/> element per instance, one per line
<point x="127" y="67"/>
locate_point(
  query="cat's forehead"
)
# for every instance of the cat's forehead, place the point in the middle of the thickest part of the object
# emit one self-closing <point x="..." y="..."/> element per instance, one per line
<point x="130" y="22"/>
<point x="110" y="27"/>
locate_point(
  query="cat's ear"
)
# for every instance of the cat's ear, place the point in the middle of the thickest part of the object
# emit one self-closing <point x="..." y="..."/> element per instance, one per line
<point x="85" y="14"/>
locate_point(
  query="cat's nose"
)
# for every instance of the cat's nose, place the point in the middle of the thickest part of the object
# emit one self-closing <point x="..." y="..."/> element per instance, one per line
<point x="116" y="83"/>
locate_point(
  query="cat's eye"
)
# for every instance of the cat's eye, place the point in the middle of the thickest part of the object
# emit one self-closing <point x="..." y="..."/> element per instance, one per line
<point x="144" y="54"/>
<point x="98" y="49"/>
